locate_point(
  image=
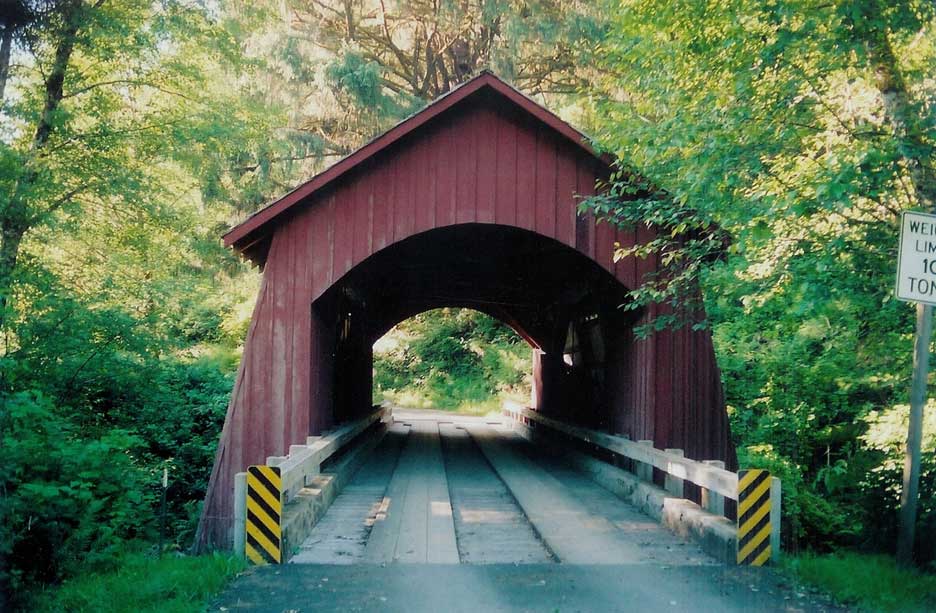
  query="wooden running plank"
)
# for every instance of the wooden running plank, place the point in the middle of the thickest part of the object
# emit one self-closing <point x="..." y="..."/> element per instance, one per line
<point x="416" y="524"/>
<point x="574" y="533"/>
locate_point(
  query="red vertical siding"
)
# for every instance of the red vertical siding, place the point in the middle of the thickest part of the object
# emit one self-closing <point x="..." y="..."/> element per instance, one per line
<point x="506" y="172"/>
<point x="477" y="165"/>
<point x="526" y="179"/>
<point x="545" y="184"/>
<point x="485" y="179"/>
<point x="466" y="163"/>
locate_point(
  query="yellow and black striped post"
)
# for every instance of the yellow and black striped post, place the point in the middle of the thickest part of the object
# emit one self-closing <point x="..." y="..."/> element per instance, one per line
<point x="753" y="517"/>
<point x="264" y="543"/>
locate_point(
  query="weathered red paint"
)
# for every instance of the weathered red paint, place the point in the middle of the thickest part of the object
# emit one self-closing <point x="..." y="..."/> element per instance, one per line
<point x="471" y="202"/>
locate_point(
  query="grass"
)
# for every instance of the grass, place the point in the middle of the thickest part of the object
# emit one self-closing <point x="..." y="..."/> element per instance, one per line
<point x="867" y="582"/>
<point x="171" y="584"/>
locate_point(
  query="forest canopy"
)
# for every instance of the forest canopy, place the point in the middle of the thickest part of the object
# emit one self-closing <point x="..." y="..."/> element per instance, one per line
<point x="133" y="133"/>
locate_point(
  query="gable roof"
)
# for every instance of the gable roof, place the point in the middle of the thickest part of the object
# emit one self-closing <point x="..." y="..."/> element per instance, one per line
<point x="257" y="227"/>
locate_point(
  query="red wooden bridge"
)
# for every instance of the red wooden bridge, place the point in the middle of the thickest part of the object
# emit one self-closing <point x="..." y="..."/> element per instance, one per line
<point x="472" y="202"/>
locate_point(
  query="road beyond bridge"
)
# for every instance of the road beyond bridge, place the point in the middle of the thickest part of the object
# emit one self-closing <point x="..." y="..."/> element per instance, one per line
<point x="455" y="513"/>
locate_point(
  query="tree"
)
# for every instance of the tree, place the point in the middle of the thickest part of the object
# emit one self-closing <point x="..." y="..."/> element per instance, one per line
<point x="801" y="129"/>
<point x="112" y="117"/>
<point x="348" y="70"/>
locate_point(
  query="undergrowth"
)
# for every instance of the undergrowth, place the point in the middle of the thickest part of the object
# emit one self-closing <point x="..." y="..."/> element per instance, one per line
<point x="865" y="582"/>
<point x="142" y="583"/>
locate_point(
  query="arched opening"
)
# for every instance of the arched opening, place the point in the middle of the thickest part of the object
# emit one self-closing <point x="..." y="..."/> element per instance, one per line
<point x="570" y="310"/>
<point x="456" y="360"/>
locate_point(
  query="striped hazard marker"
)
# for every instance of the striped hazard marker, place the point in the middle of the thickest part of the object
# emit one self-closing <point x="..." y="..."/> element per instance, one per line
<point x="264" y="542"/>
<point x="753" y="517"/>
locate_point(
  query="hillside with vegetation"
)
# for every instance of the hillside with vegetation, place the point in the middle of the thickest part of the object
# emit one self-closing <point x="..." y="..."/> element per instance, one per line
<point x="134" y="133"/>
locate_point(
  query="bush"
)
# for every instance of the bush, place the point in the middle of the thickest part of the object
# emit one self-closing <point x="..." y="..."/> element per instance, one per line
<point x="67" y="501"/>
<point x="451" y="359"/>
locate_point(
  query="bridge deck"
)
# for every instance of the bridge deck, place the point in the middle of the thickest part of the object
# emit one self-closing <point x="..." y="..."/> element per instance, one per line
<point x="494" y="524"/>
<point x="449" y="490"/>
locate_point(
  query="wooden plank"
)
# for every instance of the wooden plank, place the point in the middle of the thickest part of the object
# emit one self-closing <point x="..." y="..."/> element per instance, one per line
<point x="344" y="231"/>
<point x="445" y="177"/>
<point x="466" y="158"/>
<point x="359" y="196"/>
<point x="422" y="199"/>
<point x="604" y="246"/>
<point x="417" y="524"/>
<point x="572" y="531"/>
<point x="566" y="197"/>
<point x="381" y="220"/>
<point x="584" y="224"/>
<point x="406" y="197"/>
<point x="487" y="165"/>
<point x="545" y="184"/>
<point x="505" y="207"/>
<point x="330" y="244"/>
<point x="718" y="480"/>
<point x="526" y="177"/>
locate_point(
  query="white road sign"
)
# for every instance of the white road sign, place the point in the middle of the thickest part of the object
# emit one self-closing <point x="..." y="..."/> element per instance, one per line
<point x="916" y="260"/>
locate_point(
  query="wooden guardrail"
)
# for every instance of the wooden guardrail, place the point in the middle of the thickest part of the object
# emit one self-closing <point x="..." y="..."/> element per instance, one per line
<point x="278" y="481"/>
<point x="759" y="527"/>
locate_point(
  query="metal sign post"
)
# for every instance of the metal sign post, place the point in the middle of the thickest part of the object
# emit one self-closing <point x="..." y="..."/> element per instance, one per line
<point x="916" y="282"/>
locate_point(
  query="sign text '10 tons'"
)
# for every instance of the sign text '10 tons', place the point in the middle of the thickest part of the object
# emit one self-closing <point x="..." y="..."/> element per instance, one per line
<point x="916" y="264"/>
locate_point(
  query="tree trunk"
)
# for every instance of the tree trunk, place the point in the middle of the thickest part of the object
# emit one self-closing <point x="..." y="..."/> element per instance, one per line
<point x="19" y="215"/>
<point x="6" y="42"/>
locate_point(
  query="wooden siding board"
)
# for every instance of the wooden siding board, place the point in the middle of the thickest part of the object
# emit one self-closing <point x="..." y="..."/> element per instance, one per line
<point x="585" y="187"/>
<point x="422" y="198"/>
<point x="329" y="227"/>
<point x="406" y="197"/>
<point x="604" y="245"/>
<point x="506" y="173"/>
<point x="431" y="197"/>
<point x="566" y="197"/>
<point x="545" y="184"/>
<point x="526" y="178"/>
<point x="379" y="207"/>
<point x="487" y="165"/>
<point x="466" y="180"/>
<point x="344" y="231"/>
<point x="446" y="178"/>
<point x="358" y="196"/>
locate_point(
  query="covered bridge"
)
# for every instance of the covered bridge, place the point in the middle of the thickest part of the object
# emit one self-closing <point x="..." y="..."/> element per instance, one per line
<point x="472" y="202"/>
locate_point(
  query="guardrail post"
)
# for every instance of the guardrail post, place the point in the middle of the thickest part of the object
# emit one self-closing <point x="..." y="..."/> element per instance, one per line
<point x="755" y="532"/>
<point x="644" y="470"/>
<point x="240" y="513"/>
<point x="674" y="485"/>
<point x="775" y="518"/>
<point x="264" y="539"/>
<point x="713" y="502"/>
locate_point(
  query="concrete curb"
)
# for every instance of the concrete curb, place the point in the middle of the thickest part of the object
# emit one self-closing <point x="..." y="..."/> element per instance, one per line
<point x="718" y="536"/>
<point x="311" y="502"/>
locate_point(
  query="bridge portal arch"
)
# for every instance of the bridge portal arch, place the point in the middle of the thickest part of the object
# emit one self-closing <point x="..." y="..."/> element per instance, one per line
<point x="471" y="202"/>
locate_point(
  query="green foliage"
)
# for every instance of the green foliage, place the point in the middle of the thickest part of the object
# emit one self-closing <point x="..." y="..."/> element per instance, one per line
<point x="68" y="499"/>
<point x="141" y="583"/>
<point x="867" y="582"/>
<point x="772" y="146"/>
<point x="451" y="359"/>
